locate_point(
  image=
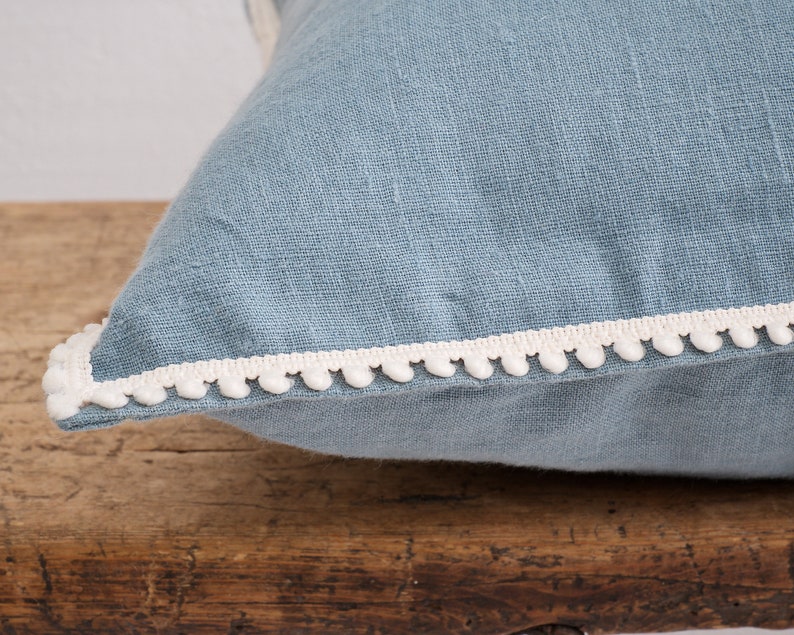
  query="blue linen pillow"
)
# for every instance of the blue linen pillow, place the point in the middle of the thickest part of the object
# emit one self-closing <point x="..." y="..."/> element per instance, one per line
<point x="555" y="234"/>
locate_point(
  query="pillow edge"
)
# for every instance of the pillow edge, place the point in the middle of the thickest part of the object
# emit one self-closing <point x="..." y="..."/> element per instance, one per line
<point x="69" y="385"/>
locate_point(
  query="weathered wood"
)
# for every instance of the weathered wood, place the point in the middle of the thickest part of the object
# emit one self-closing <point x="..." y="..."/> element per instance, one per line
<point x="191" y="526"/>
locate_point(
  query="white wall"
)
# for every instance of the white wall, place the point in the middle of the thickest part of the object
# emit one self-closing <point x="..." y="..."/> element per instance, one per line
<point x="116" y="99"/>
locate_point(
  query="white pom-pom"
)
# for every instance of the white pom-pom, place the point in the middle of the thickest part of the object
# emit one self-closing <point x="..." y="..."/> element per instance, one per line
<point x="149" y="394"/>
<point x="317" y="378"/>
<point x="553" y="361"/>
<point x="59" y="354"/>
<point x="668" y="344"/>
<point x="74" y="339"/>
<point x="516" y="365"/>
<point x="591" y="356"/>
<point x="92" y="328"/>
<point x="275" y="382"/>
<point x="439" y="366"/>
<point x="54" y="379"/>
<point x="358" y="375"/>
<point x="478" y="366"/>
<point x="397" y="370"/>
<point x="233" y="386"/>
<point x="744" y="336"/>
<point x="62" y="407"/>
<point x="779" y="333"/>
<point x="110" y="397"/>
<point x="630" y="350"/>
<point x="706" y="341"/>
<point x="190" y="388"/>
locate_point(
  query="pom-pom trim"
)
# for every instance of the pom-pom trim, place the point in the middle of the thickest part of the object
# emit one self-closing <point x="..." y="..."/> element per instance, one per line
<point x="69" y="383"/>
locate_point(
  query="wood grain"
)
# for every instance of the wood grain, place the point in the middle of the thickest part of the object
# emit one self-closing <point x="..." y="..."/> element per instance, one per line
<point x="191" y="526"/>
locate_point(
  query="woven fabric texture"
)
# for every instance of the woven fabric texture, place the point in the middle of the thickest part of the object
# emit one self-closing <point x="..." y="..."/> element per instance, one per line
<point x="428" y="171"/>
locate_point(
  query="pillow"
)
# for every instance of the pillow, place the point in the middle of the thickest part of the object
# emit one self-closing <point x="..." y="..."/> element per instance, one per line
<point x="550" y="234"/>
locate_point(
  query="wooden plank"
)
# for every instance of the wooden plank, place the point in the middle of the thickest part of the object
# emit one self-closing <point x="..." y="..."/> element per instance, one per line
<point x="189" y="525"/>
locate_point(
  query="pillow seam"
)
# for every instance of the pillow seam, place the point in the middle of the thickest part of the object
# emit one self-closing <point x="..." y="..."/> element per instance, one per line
<point x="70" y="386"/>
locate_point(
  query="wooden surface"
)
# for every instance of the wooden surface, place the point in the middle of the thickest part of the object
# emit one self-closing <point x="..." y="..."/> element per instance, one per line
<point x="190" y="526"/>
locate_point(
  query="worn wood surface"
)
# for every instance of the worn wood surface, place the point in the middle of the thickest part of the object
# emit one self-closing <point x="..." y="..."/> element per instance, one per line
<point x="190" y="526"/>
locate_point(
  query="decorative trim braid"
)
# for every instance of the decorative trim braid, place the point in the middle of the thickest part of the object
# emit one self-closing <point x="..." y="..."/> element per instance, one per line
<point x="70" y="385"/>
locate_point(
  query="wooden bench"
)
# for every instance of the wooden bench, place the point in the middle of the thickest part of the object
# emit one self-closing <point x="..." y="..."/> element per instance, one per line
<point x="191" y="526"/>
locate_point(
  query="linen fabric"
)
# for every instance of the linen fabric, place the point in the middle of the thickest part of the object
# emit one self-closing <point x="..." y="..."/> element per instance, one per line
<point x="429" y="172"/>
